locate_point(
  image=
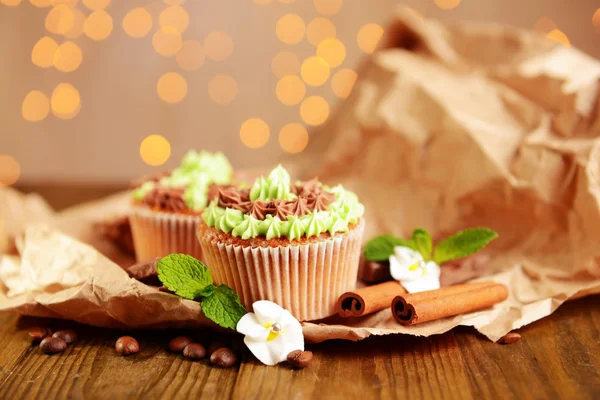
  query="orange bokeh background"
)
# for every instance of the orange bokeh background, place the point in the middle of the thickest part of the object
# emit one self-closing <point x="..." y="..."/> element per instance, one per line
<point x="103" y="91"/>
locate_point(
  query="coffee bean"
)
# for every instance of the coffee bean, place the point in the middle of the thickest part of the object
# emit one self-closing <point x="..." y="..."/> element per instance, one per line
<point x="223" y="358"/>
<point x="178" y="344"/>
<point x="127" y="345"/>
<point x="216" y="345"/>
<point x="194" y="351"/>
<point x="51" y="345"/>
<point x="39" y="333"/>
<point x="68" y="335"/>
<point x="299" y="358"/>
<point x="510" y="338"/>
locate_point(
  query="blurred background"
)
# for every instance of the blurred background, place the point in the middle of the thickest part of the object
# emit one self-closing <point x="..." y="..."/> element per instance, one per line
<point x="101" y="91"/>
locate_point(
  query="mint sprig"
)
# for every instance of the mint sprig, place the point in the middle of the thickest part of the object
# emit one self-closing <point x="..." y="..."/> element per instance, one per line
<point x="462" y="244"/>
<point x="459" y="245"/>
<point x="191" y="279"/>
<point x="223" y="305"/>
<point x="423" y="243"/>
<point x="380" y="248"/>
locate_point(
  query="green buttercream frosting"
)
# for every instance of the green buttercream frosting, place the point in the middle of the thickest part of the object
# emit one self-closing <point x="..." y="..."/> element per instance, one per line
<point x="295" y="228"/>
<point x="275" y="186"/>
<point x="250" y="227"/>
<point x="272" y="227"/>
<point x="344" y="210"/>
<point x="315" y="223"/>
<point x="197" y="172"/>
<point x="142" y="191"/>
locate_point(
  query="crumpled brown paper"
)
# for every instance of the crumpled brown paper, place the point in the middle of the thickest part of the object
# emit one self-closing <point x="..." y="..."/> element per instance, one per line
<point x="447" y="127"/>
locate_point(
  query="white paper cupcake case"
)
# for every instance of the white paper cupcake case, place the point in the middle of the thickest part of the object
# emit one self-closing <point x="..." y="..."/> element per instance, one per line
<point x="158" y="234"/>
<point x="305" y="279"/>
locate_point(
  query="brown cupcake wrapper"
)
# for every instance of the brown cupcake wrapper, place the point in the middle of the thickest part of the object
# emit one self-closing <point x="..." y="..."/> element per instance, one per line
<point x="305" y="279"/>
<point x="158" y="234"/>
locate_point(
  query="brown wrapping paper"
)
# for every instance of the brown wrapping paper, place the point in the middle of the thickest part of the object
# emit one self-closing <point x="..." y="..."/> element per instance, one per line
<point x="447" y="127"/>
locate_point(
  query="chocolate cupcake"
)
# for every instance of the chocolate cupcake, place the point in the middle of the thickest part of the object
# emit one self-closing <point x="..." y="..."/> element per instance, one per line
<point x="168" y="206"/>
<point x="296" y="245"/>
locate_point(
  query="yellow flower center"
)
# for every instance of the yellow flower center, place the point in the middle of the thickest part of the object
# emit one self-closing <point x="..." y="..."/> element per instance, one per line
<point x="275" y="331"/>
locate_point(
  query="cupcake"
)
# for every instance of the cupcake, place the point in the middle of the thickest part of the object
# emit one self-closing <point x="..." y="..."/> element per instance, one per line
<point x="168" y="206"/>
<point x="297" y="245"/>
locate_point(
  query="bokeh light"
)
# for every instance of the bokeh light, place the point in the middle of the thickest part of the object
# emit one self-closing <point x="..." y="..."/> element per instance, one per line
<point x="290" y="90"/>
<point x="137" y="23"/>
<point x="328" y="7"/>
<point x="218" y="46"/>
<point x="172" y="87"/>
<point x="290" y="29"/>
<point x="559" y="36"/>
<point x="36" y="106"/>
<point x="41" y="3"/>
<point x="96" y="4"/>
<point x="368" y="37"/>
<point x="77" y="27"/>
<point x="60" y="19"/>
<point x="447" y="4"/>
<point x="314" y="110"/>
<point x="68" y="57"/>
<point x="65" y="101"/>
<point x="222" y="89"/>
<point x="191" y="56"/>
<point x="70" y="3"/>
<point x="342" y="82"/>
<point x="596" y="20"/>
<point x="43" y="52"/>
<point x="314" y="71"/>
<point x="10" y="3"/>
<point x="167" y="41"/>
<point x="293" y="138"/>
<point x="285" y="63"/>
<point x="176" y="17"/>
<point x="332" y="51"/>
<point x="320" y="29"/>
<point x="544" y="25"/>
<point x="155" y="150"/>
<point x="254" y="133"/>
<point x="98" y="25"/>
<point x="10" y="170"/>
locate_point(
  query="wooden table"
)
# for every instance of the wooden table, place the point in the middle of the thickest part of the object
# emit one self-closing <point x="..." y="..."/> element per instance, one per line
<point x="558" y="357"/>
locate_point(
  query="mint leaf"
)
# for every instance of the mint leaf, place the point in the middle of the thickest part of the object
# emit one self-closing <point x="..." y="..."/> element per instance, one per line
<point x="210" y="289"/>
<point x="380" y="248"/>
<point x="223" y="307"/>
<point x="462" y="244"/>
<point x="184" y="275"/>
<point x="423" y="244"/>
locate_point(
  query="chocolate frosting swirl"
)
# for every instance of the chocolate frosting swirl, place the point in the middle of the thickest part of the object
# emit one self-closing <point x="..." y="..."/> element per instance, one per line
<point x="166" y="198"/>
<point x="155" y="177"/>
<point x="320" y="201"/>
<point x="260" y="209"/>
<point x="311" y="197"/>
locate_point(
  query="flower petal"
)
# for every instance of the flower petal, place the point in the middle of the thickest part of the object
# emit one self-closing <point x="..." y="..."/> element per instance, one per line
<point x="261" y="350"/>
<point x="400" y="270"/>
<point x="407" y="255"/>
<point x="267" y="312"/>
<point x="421" y="285"/>
<point x="432" y="269"/>
<point x="249" y="326"/>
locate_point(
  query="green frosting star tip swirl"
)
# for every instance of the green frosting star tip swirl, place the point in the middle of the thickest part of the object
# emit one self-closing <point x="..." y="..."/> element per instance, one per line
<point x="343" y="211"/>
<point x="197" y="171"/>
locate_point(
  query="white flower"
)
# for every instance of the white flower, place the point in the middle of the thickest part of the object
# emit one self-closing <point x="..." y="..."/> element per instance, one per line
<point x="271" y="332"/>
<point x="414" y="274"/>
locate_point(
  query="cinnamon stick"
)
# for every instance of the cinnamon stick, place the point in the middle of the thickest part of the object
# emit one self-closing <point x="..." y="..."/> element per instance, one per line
<point x="368" y="300"/>
<point x="416" y="308"/>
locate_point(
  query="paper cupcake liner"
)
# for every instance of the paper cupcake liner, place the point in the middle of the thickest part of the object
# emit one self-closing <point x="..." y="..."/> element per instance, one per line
<point x="158" y="234"/>
<point x="305" y="279"/>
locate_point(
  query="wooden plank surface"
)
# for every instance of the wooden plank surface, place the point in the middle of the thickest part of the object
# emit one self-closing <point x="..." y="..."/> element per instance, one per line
<point x="558" y="357"/>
